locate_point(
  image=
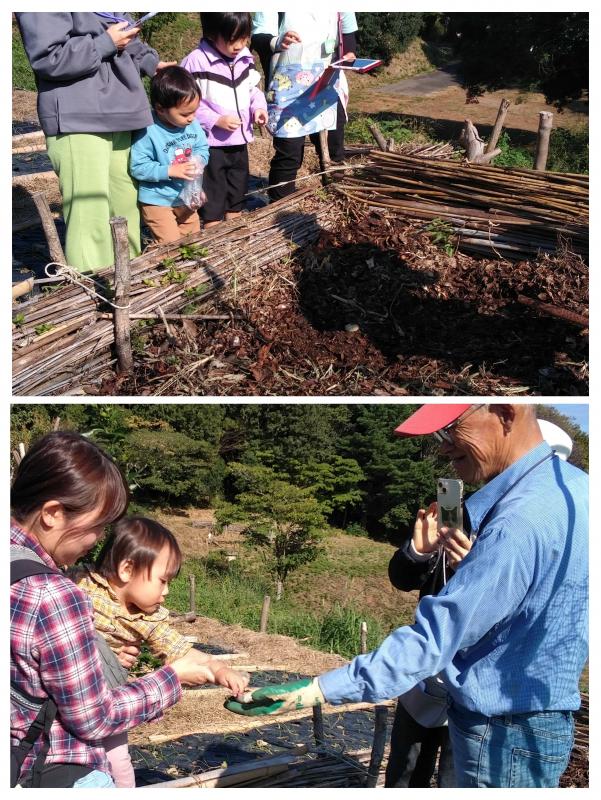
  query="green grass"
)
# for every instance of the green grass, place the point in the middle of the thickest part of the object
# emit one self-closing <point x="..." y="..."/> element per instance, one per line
<point x="511" y="155"/>
<point x="22" y="72"/>
<point x="233" y="597"/>
<point x="400" y="131"/>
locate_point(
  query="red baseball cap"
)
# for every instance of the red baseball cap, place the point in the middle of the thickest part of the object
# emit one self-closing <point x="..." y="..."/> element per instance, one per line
<point x="431" y="418"/>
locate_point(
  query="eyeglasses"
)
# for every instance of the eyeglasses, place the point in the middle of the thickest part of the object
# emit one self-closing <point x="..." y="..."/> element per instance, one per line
<point x="445" y="434"/>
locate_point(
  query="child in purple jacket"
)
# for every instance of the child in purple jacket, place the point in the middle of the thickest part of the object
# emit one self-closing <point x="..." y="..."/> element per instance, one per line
<point x="231" y="102"/>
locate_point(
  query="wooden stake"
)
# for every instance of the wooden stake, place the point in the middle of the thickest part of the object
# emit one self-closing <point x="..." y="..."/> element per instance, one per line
<point x="364" y="637"/>
<point x="377" y="134"/>
<point x="377" y="752"/>
<point x="318" y="733"/>
<point x="496" y="131"/>
<point x="325" y="159"/>
<point x="545" y="124"/>
<point x="192" y="579"/>
<point x="122" y="289"/>
<point x="54" y="243"/>
<point x="265" y="614"/>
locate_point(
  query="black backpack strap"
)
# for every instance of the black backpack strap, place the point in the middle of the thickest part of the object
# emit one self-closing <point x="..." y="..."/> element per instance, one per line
<point x="23" y="568"/>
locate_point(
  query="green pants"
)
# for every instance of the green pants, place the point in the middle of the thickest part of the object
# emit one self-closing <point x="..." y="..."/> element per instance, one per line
<point x="95" y="184"/>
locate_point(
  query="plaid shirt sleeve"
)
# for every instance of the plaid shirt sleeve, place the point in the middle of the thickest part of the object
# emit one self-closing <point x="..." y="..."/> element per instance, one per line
<point x="71" y="672"/>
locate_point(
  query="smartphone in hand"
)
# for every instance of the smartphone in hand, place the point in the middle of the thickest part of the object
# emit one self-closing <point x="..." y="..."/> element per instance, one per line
<point x="449" y="497"/>
<point x="142" y="20"/>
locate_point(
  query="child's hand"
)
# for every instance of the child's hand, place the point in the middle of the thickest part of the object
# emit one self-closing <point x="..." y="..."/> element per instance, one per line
<point x="228" y="122"/>
<point x="230" y="678"/>
<point x="120" y="35"/>
<point x="128" y="655"/>
<point x="185" y="170"/>
<point x="260" y="116"/>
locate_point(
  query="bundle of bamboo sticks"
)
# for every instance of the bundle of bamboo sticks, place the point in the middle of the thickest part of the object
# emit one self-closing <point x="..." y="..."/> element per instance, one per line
<point x="514" y="213"/>
<point x="63" y="339"/>
<point x="329" y="769"/>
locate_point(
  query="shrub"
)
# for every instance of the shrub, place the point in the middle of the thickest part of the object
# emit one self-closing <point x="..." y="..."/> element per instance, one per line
<point x="518" y="157"/>
<point x="384" y="34"/>
<point x="355" y="529"/>
<point x="568" y="150"/>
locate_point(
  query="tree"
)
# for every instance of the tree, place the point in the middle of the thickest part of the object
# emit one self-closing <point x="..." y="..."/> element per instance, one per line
<point x="170" y="467"/>
<point x="383" y="34"/>
<point x="281" y="520"/>
<point x="400" y="474"/>
<point x="335" y="485"/>
<point x="545" y="52"/>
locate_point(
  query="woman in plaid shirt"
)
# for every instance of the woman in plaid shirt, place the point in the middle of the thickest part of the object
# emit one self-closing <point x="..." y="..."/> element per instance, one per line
<point x="65" y="491"/>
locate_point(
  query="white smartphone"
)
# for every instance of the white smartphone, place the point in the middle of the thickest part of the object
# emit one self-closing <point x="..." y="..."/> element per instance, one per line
<point x="136" y="23"/>
<point x="449" y="497"/>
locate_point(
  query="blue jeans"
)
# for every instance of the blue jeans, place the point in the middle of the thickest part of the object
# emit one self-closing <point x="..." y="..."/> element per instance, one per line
<point x="95" y="780"/>
<point x="513" y="750"/>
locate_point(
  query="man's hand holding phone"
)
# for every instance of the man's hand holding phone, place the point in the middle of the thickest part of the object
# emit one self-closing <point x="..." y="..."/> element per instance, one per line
<point x="455" y="544"/>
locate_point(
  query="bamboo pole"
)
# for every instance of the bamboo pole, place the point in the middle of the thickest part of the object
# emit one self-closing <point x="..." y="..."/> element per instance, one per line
<point x="122" y="290"/>
<point x="22" y="287"/>
<point x="54" y="244"/>
<point x="265" y="614"/>
<point x="230" y="776"/>
<point x="545" y="124"/>
<point x="364" y="637"/>
<point x="192" y="580"/>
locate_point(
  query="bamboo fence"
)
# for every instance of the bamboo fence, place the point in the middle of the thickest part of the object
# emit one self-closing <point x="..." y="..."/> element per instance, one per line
<point x="63" y="339"/>
<point x="513" y="213"/>
<point x="329" y="769"/>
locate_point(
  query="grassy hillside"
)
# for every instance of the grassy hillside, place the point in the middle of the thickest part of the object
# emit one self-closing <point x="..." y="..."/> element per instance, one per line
<point x="323" y="603"/>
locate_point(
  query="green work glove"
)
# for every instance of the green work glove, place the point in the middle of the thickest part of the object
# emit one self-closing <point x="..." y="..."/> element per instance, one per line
<point x="278" y="699"/>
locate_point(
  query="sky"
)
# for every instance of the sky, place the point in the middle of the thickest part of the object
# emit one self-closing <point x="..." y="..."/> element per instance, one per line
<point x="577" y="412"/>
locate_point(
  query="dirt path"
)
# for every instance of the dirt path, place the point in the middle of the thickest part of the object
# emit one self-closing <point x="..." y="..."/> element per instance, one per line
<point x="423" y="85"/>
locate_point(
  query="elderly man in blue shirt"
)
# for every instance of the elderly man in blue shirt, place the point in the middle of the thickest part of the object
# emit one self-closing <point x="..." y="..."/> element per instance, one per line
<point x="509" y="632"/>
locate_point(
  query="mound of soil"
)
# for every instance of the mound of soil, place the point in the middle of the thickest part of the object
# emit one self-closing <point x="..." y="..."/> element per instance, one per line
<point x="375" y="307"/>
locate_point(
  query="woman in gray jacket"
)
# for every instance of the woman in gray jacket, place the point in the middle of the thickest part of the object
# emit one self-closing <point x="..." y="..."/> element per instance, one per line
<point x="88" y="71"/>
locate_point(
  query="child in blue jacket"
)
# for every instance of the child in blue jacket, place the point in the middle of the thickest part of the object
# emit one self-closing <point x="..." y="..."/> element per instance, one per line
<point x="163" y="155"/>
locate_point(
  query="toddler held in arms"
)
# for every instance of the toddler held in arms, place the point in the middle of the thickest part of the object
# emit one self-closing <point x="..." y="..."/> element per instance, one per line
<point x="131" y="580"/>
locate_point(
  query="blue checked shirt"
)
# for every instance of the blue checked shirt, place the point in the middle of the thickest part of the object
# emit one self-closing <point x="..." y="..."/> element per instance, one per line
<point x="509" y="632"/>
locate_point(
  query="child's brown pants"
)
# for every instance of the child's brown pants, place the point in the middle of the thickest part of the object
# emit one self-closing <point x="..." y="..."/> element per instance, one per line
<point x="168" y="223"/>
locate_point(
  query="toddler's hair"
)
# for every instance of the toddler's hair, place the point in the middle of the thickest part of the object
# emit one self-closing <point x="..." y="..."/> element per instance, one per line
<point x="66" y="467"/>
<point x="231" y="25"/>
<point x="139" y="540"/>
<point x="172" y="86"/>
